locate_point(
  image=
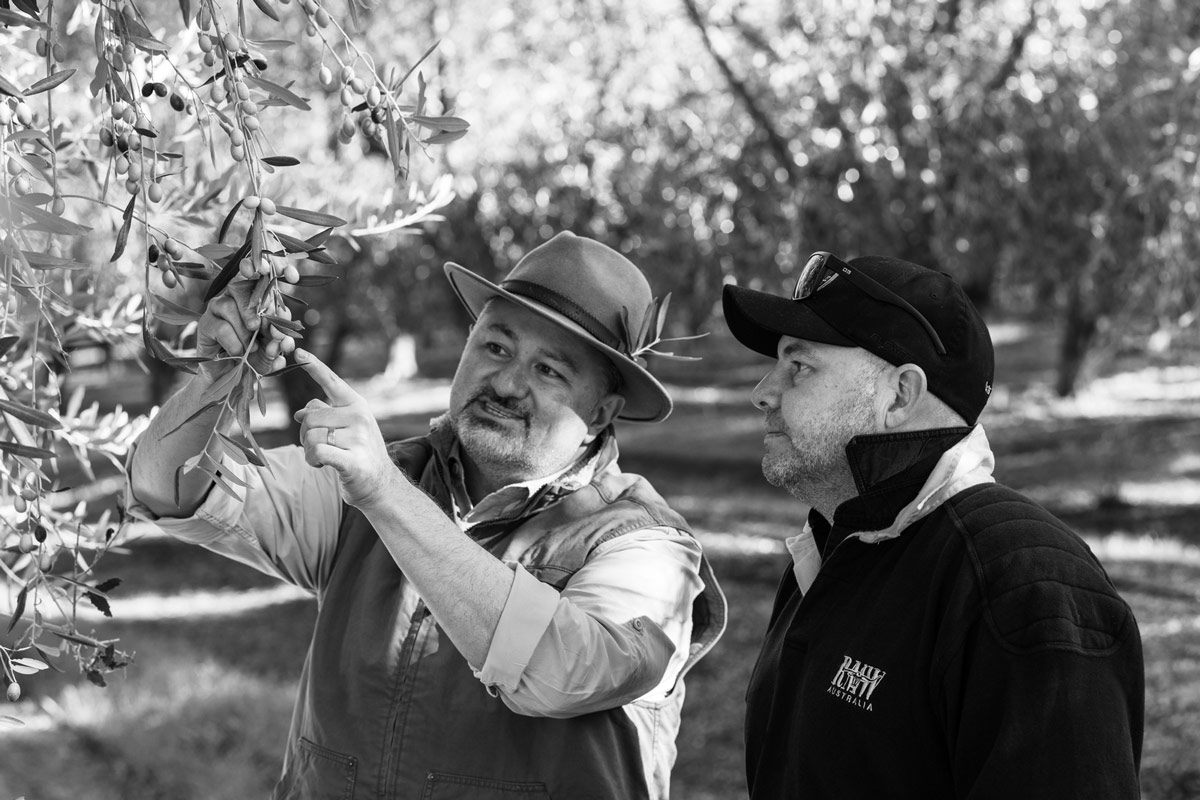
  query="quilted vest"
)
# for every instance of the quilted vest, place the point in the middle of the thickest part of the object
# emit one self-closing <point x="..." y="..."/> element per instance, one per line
<point x="388" y="708"/>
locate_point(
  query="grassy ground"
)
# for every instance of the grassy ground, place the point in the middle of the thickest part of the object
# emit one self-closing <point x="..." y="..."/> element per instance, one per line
<point x="204" y="710"/>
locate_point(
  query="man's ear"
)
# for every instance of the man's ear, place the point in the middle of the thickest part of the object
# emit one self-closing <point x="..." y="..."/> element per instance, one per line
<point x="606" y="411"/>
<point x="908" y="386"/>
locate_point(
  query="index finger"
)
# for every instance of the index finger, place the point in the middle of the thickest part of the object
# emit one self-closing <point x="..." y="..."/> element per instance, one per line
<point x="336" y="389"/>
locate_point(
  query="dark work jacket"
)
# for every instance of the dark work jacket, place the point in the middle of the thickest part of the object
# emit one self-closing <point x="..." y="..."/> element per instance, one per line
<point x="982" y="653"/>
<point x="388" y="708"/>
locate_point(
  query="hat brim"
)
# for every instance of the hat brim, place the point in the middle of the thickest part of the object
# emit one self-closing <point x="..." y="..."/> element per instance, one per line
<point x="758" y="320"/>
<point x="646" y="400"/>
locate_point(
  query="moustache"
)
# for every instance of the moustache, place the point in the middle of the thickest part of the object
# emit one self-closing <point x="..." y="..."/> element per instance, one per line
<point x="509" y="404"/>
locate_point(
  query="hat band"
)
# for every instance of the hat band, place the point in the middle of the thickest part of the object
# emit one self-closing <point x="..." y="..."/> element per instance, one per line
<point x="566" y="307"/>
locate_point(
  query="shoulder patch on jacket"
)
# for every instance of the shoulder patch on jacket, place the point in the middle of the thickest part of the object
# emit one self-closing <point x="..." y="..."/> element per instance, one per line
<point x="1042" y="588"/>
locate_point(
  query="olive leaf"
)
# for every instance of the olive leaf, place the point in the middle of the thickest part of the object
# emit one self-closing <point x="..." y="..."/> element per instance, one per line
<point x="49" y="82"/>
<point x="123" y="234"/>
<point x="311" y="217"/>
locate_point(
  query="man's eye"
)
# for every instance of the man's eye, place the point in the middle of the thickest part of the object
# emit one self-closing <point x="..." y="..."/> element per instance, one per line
<point x="493" y="348"/>
<point x="550" y="372"/>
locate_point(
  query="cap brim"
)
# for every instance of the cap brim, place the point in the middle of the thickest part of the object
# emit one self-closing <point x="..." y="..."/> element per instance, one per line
<point x="758" y="320"/>
<point x="646" y="400"/>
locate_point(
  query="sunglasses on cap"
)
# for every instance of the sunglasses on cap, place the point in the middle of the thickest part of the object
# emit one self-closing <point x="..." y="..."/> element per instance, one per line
<point x="821" y="270"/>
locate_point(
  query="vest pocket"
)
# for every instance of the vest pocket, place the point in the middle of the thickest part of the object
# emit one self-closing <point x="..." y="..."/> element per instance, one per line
<point x="318" y="772"/>
<point x="442" y="786"/>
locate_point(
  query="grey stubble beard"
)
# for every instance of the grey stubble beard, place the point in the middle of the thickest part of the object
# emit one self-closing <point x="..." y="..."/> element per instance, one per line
<point x="819" y="471"/>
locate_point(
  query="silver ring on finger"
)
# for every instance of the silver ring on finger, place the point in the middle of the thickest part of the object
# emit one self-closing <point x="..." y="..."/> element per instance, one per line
<point x="329" y="437"/>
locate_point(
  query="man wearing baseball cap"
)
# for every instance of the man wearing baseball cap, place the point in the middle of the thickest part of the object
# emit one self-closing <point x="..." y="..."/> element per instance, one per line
<point x="936" y="635"/>
<point x="504" y="613"/>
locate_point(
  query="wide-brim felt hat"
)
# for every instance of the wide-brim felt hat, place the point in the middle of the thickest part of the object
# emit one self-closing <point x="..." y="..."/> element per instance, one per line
<point x="590" y="291"/>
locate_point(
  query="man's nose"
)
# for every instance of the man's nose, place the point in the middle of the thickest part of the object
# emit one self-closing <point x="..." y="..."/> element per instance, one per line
<point x="766" y="394"/>
<point x="510" y="380"/>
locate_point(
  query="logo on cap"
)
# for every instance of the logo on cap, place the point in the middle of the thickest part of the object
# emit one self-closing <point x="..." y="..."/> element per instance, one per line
<point x="828" y="279"/>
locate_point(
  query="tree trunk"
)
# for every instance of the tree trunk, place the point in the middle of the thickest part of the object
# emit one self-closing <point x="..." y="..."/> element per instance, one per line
<point x="1078" y="334"/>
<point x="978" y="283"/>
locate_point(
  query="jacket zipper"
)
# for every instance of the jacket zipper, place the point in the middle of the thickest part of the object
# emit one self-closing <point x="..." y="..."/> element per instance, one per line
<point x="400" y="705"/>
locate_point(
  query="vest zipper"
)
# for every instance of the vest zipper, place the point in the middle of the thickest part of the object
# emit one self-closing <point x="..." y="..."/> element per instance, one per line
<point x="402" y="702"/>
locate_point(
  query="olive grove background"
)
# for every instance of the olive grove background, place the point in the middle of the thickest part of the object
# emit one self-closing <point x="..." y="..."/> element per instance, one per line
<point x="338" y="154"/>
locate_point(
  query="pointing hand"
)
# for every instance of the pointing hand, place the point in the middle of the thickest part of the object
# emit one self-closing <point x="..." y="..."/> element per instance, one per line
<point x="343" y="433"/>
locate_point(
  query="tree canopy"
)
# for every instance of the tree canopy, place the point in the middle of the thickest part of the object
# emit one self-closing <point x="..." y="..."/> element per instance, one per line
<point x="1042" y="152"/>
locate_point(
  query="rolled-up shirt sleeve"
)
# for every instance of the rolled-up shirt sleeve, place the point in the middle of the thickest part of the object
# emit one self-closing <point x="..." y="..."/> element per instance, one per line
<point x="284" y="521"/>
<point x="619" y="630"/>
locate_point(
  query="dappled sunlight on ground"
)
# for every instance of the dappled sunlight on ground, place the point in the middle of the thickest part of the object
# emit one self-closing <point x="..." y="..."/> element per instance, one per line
<point x="1124" y="547"/>
<point x="1147" y="392"/>
<point x="1180" y="492"/>
<point x="1171" y="627"/>
<point x="1088" y="492"/>
<point x="739" y="544"/>
<point x="1151" y="384"/>
<point x="193" y="605"/>
<point x="187" y="727"/>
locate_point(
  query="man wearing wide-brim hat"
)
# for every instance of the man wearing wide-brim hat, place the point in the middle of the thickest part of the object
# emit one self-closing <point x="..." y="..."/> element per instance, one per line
<point x="503" y="612"/>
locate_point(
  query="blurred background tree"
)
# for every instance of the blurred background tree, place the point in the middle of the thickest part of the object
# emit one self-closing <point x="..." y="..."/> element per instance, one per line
<point x="1042" y="152"/>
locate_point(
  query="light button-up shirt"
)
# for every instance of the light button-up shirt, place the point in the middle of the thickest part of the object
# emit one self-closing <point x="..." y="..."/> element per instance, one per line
<point x="625" y="615"/>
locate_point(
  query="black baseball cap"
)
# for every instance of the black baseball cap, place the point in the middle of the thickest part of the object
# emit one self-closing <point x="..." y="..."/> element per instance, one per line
<point x="951" y="343"/>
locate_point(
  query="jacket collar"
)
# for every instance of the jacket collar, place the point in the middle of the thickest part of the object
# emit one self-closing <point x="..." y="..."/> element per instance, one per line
<point x="903" y="477"/>
<point x="516" y="500"/>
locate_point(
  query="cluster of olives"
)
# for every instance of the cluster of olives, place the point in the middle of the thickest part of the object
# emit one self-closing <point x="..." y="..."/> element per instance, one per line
<point x="120" y="56"/>
<point x="317" y="16"/>
<point x="124" y="134"/>
<point x="160" y="89"/>
<point x="269" y="264"/>
<point x="355" y="95"/>
<point x="15" y="111"/>
<point x="164" y="259"/>
<point x="33" y="537"/>
<point x="56" y="51"/>
<point x="277" y="341"/>
<point x="279" y="266"/>
<point x="130" y="120"/>
<point x="228" y="46"/>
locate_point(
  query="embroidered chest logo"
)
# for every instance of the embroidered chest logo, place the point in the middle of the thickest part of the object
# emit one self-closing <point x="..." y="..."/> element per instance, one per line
<point x="855" y="682"/>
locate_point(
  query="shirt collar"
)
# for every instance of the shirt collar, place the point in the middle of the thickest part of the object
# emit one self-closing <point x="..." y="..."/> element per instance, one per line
<point x="904" y="477"/>
<point x="966" y="464"/>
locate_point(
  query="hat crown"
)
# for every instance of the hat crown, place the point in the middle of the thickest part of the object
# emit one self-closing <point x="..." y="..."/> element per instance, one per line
<point x="935" y="294"/>
<point x="587" y="282"/>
